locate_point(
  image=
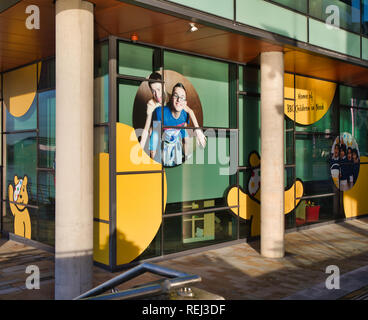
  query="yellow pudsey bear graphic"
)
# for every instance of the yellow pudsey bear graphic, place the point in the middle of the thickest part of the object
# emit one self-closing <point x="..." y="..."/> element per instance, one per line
<point x="18" y="198"/>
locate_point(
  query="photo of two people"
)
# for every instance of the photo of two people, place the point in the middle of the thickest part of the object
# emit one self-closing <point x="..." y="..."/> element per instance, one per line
<point x="171" y="113"/>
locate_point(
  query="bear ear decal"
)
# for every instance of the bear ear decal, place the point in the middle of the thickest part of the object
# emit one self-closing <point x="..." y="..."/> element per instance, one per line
<point x="16" y="180"/>
<point x="25" y="180"/>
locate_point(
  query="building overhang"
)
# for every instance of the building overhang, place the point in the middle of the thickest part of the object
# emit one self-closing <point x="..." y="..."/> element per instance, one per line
<point x="20" y="46"/>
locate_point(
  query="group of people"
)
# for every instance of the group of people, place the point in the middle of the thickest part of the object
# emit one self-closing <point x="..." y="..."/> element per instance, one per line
<point x="176" y="113"/>
<point x="345" y="161"/>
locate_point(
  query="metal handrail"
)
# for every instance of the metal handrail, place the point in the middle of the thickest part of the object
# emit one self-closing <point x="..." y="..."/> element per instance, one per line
<point x="178" y="279"/>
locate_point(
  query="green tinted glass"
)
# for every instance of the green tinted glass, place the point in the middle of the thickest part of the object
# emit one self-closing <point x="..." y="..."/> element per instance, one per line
<point x="198" y="230"/>
<point x="299" y="5"/>
<point x="47" y="139"/>
<point x="210" y="80"/>
<point x="348" y="14"/>
<point x="134" y="60"/>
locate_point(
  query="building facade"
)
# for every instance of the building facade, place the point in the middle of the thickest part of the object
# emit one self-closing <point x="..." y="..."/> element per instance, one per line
<point x="100" y="144"/>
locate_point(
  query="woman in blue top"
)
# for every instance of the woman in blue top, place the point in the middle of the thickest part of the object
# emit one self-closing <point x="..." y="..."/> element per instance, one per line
<point x="176" y="114"/>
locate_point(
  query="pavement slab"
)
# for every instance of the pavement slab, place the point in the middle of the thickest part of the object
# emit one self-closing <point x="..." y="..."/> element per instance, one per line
<point x="236" y="272"/>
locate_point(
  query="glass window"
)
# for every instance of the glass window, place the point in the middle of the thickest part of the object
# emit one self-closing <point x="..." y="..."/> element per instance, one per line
<point x="47" y="75"/>
<point x="135" y="60"/>
<point x="21" y="157"/>
<point x="249" y="128"/>
<point x="348" y="12"/>
<point x="46" y="139"/>
<point x="101" y="139"/>
<point x="365" y="17"/>
<point x="28" y="121"/>
<point x="314" y="210"/>
<point x="313" y="163"/>
<point x="209" y="80"/>
<point x="130" y="104"/>
<point x="101" y="83"/>
<point x="353" y="97"/>
<point x="355" y="122"/>
<point x="154" y="249"/>
<point x="197" y="230"/>
<point x="314" y="103"/>
<point x="300" y="5"/>
<point x="249" y="79"/>
<point x="46" y="211"/>
<point x="213" y="169"/>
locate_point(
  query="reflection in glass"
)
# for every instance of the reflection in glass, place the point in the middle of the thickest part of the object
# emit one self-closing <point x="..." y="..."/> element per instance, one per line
<point x="205" y="173"/>
<point x="210" y="80"/>
<point x="134" y="60"/>
<point x="46" y="202"/>
<point x="21" y="149"/>
<point x="46" y="139"/>
<point x="312" y="164"/>
<point x="299" y="5"/>
<point x="101" y="83"/>
<point x="101" y="140"/>
<point x="198" y="230"/>
<point x="316" y="210"/>
<point x="26" y="122"/>
<point x="249" y="128"/>
<point x="348" y="12"/>
<point x="355" y="121"/>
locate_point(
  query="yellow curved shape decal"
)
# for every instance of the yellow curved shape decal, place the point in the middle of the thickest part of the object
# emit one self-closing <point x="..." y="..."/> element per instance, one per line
<point x="101" y="227"/>
<point x="355" y="203"/>
<point x="250" y="208"/>
<point x="249" y="204"/>
<point x="295" y="190"/>
<point x="20" y="87"/>
<point x="313" y="98"/>
<point x="139" y="199"/>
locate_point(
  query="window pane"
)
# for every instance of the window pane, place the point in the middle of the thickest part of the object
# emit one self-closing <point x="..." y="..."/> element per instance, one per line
<point x="32" y="223"/>
<point x="127" y="111"/>
<point x="204" y="177"/>
<point x="134" y="60"/>
<point x="349" y="12"/>
<point x="249" y="128"/>
<point x="289" y="147"/>
<point x="355" y="122"/>
<point x="101" y="83"/>
<point x="21" y="156"/>
<point x="357" y="97"/>
<point x="365" y="17"/>
<point x="27" y="121"/>
<point x="47" y="76"/>
<point x="101" y="140"/>
<point x="20" y="98"/>
<point x="47" y="145"/>
<point x="312" y="164"/>
<point x="153" y="249"/>
<point x="249" y="79"/>
<point x="198" y="230"/>
<point x="46" y="212"/>
<point x="300" y="5"/>
<point x="210" y="80"/>
<point x="316" y="210"/>
<point x="316" y="102"/>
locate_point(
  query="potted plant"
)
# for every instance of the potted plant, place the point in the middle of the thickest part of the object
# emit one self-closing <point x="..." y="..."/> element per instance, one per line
<point x="312" y="211"/>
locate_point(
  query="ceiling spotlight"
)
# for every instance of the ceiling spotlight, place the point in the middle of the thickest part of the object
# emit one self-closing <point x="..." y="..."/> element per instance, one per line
<point x="193" y="28"/>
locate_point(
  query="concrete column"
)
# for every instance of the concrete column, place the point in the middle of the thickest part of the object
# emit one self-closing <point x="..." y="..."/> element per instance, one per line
<point x="74" y="143"/>
<point x="272" y="155"/>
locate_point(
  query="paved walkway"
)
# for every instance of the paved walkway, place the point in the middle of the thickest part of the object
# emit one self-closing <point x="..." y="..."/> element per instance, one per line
<point x="235" y="272"/>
